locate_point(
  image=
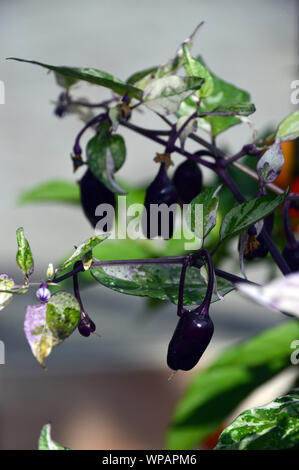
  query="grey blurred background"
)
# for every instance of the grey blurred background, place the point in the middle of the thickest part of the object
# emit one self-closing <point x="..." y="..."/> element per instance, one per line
<point x="113" y="392"/>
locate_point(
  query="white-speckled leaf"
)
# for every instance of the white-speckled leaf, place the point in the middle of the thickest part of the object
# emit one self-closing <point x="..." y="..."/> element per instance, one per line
<point x="6" y="283"/>
<point x="269" y="165"/>
<point x="82" y="250"/>
<point x="165" y="94"/>
<point x="157" y="281"/>
<point x="274" y="426"/>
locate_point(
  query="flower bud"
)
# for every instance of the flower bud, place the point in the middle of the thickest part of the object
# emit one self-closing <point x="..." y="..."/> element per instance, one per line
<point x="43" y="294"/>
<point x="60" y="110"/>
<point x="190" y="340"/>
<point x="160" y="191"/>
<point x="291" y="255"/>
<point x="86" y="326"/>
<point x="93" y="192"/>
<point x="187" y="180"/>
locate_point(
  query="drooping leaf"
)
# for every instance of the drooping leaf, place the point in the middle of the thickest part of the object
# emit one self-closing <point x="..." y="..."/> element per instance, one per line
<point x="274" y="426"/>
<point x="46" y="442"/>
<point x="159" y="281"/>
<point x="165" y="94"/>
<point x="6" y="283"/>
<point x="39" y="336"/>
<point x="245" y="215"/>
<point x="209" y="200"/>
<point x="269" y="165"/>
<point x="105" y="156"/>
<point x="289" y="128"/>
<point x="24" y="256"/>
<point x="48" y="324"/>
<point x="91" y="75"/>
<point x="115" y="158"/>
<point x="214" y="393"/>
<point x="195" y="68"/>
<point x="63" y="314"/>
<point x="82" y="250"/>
<point x="52" y="191"/>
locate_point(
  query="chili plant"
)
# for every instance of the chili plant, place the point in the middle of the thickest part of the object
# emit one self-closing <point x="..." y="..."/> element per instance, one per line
<point x="190" y="101"/>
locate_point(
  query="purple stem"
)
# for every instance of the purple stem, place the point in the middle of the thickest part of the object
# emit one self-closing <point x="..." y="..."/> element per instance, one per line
<point x="164" y="260"/>
<point x="77" y="149"/>
<point x="291" y="240"/>
<point x="150" y="135"/>
<point x="204" y="307"/>
<point x="249" y="149"/>
<point x="186" y="263"/>
<point x="76" y="286"/>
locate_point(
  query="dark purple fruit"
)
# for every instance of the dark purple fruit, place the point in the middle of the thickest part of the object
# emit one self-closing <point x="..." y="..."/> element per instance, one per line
<point x="190" y="340"/>
<point x="187" y="180"/>
<point x="86" y="326"/>
<point x="291" y="255"/>
<point x="159" y="223"/>
<point x="93" y="193"/>
<point x="261" y="250"/>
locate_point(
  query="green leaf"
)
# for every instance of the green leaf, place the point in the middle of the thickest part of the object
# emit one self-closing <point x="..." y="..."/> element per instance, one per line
<point x="65" y="81"/>
<point x="136" y="77"/>
<point x="209" y="200"/>
<point x="63" y="314"/>
<point x="105" y="156"/>
<point x="194" y="68"/>
<point x="45" y="441"/>
<point x="289" y="127"/>
<point x="215" y="392"/>
<point x="91" y="75"/>
<point x="24" y="256"/>
<point x="165" y="94"/>
<point x="52" y="191"/>
<point x="241" y="109"/>
<point x="274" y="426"/>
<point x="245" y="215"/>
<point x="82" y="250"/>
<point x="159" y="281"/>
<point x="224" y="94"/>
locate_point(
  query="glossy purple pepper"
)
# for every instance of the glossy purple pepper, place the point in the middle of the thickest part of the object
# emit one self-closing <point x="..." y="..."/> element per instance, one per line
<point x="187" y="180"/>
<point x="160" y="191"/>
<point x="190" y="340"/>
<point x="93" y="192"/>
